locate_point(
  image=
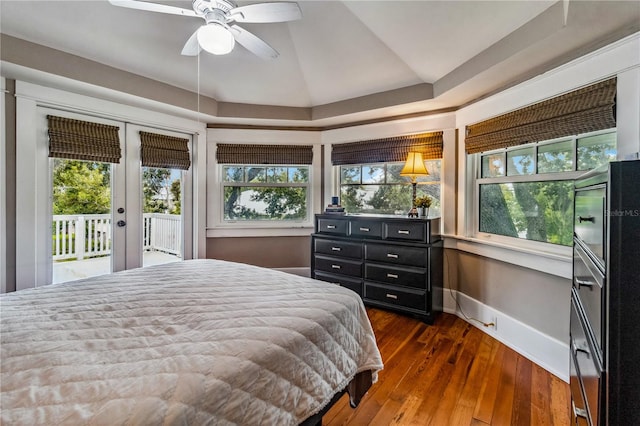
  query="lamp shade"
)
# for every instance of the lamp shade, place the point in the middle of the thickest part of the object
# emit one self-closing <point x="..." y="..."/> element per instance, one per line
<point x="216" y="39"/>
<point x="414" y="166"/>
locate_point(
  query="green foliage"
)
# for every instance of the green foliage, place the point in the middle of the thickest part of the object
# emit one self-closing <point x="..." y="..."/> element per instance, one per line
<point x="176" y="191"/>
<point x="391" y="198"/>
<point x="81" y="187"/>
<point x="351" y="199"/>
<point x="538" y="211"/>
<point x="154" y="181"/>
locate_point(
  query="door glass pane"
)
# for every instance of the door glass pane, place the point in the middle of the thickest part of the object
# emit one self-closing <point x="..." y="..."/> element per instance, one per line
<point x="161" y="215"/>
<point x="81" y="226"/>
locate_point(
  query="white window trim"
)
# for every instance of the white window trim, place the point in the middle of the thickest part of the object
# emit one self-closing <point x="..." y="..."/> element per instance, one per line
<point x="218" y="228"/>
<point x="3" y="190"/>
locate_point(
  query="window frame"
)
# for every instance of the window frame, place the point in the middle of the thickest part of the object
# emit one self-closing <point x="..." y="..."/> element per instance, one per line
<point x="337" y="178"/>
<point x="217" y="228"/>
<point x="266" y="222"/>
<point x="475" y="164"/>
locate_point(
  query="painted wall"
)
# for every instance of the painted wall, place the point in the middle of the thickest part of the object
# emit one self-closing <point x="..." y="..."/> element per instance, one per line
<point x="269" y="252"/>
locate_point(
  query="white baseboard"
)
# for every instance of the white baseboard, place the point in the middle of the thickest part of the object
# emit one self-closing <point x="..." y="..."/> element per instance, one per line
<point x="546" y="351"/>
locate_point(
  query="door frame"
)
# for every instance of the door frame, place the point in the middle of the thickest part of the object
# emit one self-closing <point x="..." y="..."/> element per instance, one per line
<point x="32" y="171"/>
<point x="134" y="196"/>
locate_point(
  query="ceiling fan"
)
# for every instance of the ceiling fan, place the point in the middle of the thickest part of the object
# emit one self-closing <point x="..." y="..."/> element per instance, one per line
<point x="218" y="35"/>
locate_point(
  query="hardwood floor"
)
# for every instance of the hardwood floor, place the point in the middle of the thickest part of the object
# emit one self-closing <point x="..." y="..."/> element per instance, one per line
<point x="451" y="373"/>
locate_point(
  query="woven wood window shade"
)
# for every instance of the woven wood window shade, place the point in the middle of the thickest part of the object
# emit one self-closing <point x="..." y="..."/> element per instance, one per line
<point x="164" y="151"/>
<point x="264" y="154"/>
<point x="387" y="149"/>
<point x="83" y="140"/>
<point x="584" y="110"/>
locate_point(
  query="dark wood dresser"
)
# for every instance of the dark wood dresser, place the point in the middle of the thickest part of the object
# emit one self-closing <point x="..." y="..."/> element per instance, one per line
<point x="605" y="297"/>
<point x="392" y="262"/>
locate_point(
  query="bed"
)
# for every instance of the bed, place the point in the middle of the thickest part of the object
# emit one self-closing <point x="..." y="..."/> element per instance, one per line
<point x="191" y="343"/>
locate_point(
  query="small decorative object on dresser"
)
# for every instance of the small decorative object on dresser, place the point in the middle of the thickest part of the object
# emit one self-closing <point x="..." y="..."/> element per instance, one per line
<point x="423" y="204"/>
<point x="392" y="262"/>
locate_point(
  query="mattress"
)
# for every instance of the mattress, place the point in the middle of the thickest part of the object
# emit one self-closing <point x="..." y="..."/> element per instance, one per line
<point x="191" y="343"/>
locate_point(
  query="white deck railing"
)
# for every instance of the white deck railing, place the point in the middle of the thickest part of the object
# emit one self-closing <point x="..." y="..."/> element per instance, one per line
<point x="89" y="235"/>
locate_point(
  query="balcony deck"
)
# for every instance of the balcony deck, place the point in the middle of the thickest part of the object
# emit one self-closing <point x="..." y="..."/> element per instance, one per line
<point x="78" y="269"/>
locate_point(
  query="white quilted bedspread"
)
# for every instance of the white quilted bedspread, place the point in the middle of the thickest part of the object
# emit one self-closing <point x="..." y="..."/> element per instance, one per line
<point x="189" y="343"/>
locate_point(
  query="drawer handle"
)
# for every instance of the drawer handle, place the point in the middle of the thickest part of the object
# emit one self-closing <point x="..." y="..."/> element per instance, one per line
<point x="392" y="276"/>
<point x="583" y="283"/>
<point x="392" y="296"/>
<point x="331" y="227"/>
<point x="364" y="229"/>
<point x="579" y="412"/>
<point x="336" y="249"/>
<point x="335" y="266"/>
<point x="392" y="256"/>
<point x="587" y="219"/>
<point x="581" y="348"/>
<point x="402" y="231"/>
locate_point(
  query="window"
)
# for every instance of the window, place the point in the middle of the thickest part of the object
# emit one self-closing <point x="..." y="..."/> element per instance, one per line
<point x="265" y="193"/>
<point x="379" y="188"/>
<point x="526" y="192"/>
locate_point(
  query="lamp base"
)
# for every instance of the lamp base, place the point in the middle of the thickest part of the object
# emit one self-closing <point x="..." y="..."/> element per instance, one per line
<point x="413" y="212"/>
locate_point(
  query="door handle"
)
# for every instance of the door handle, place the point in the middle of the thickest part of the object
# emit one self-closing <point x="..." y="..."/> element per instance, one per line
<point x="121" y="223"/>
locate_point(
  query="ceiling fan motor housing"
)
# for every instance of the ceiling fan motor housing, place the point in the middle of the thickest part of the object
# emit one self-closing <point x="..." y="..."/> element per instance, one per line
<point x="204" y="7"/>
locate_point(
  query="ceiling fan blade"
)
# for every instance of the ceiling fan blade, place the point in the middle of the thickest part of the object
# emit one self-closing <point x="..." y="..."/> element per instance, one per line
<point x="266" y="12"/>
<point x="153" y="7"/>
<point x="192" y="47"/>
<point x="253" y="43"/>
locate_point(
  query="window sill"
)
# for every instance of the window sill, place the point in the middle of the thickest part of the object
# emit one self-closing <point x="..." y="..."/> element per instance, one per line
<point x="558" y="262"/>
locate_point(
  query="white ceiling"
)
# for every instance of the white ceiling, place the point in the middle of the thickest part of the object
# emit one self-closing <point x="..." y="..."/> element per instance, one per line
<point x="339" y="51"/>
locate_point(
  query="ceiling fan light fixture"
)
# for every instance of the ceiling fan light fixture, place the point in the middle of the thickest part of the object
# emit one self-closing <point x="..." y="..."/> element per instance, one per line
<point x="216" y="39"/>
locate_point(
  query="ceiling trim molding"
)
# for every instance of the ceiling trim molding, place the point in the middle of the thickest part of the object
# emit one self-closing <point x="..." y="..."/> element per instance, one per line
<point x="335" y="126"/>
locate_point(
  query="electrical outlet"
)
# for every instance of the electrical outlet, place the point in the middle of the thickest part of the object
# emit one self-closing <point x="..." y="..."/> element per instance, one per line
<point x="493" y="323"/>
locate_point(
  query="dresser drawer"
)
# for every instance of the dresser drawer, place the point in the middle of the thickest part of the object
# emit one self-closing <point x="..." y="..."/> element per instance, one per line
<point x="350" y="283"/>
<point x="338" y="265"/>
<point x="589" y="222"/>
<point x="398" y="255"/>
<point x="415" y="299"/>
<point x="333" y="226"/>
<point x="406" y="231"/>
<point x="409" y="277"/>
<point x="579" y="413"/>
<point x="365" y="228"/>
<point x="338" y="248"/>
<point x="588" y="283"/>
<point x="588" y="370"/>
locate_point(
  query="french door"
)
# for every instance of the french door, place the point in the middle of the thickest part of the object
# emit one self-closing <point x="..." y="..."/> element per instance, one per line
<point x="107" y="217"/>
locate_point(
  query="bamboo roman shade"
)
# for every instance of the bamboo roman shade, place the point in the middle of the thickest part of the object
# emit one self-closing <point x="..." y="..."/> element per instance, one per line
<point x="83" y="140"/>
<point x="264" y="154"/>
<point x="387" y="149"/>
<point x="584" y="110"/>
<point x="164" y="151"/>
